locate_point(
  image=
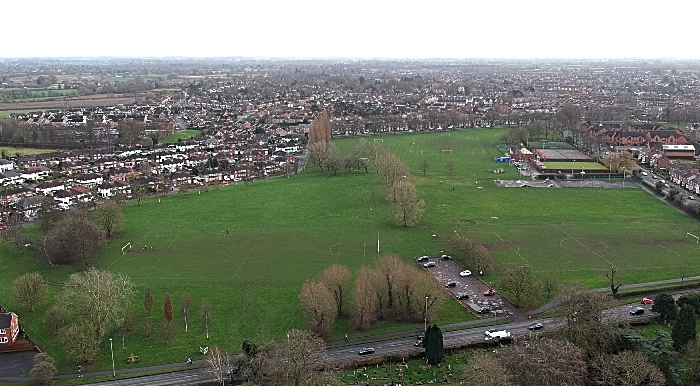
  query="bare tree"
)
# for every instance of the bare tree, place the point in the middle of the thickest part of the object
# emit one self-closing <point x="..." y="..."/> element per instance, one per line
<point x="80" y="342"/>
<point x="407" y="207"/>
<point x="305" y="352"/>
<point x="481" y="259"/>
<point x="185" y="305"/>
<point x="74" y="238"/>
<point x="319" y="306"/>
<point x="219" y="364"/>
<point x="44" y="369"/>
<point x="365" y="313"/>
<point x="450" y="166"/>
<point x="30" y="289"/>
<point x="148" y="301"/>
<point x="587" y="324"/>
<point x="424" y="166"/>
<point x="546" y="362"/>
<point x="100" y="296"/>
<point x="336" y="278"/>
<point x="519" y="283"/>
<point x="391" y="168"/>
<point x="320" y="130"/>
<point x="628" y="368"/>
<point x="549" y="282"/>
<point x="110" y="217"/>
<point x="485" y="369"/>
<point x="206" y="315"/>
<point x="611" y="276"/>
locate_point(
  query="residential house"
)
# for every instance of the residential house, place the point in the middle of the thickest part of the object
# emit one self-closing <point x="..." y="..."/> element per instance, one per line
<point x="48" y="188"/>
<point x="9" y="327"/>
<point x="6" y="165"/>
<point x="36" y="173"/>
<point x="89" y="180"/>
<point x="30" y="206"/>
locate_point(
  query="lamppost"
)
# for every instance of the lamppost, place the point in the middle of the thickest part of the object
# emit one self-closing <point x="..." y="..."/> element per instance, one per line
<point x="425" y="328"/>
<point x="114" y="372"/>
<point x="624" y="171"/>
<point x="573" y="165"/>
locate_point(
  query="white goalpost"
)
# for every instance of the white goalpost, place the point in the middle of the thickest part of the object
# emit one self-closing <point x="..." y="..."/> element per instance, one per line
<point x="446" y="151"/>
<point x="128" y="245"/>
<point x="697" y="240"/>
<point x="379" y="140"/>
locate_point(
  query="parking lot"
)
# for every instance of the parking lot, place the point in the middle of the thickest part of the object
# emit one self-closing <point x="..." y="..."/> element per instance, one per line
<point x="448" y="270"/>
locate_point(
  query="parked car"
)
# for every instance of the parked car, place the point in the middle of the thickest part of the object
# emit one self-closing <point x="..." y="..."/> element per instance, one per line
<point x="647" y="301"/>
<point x="451" y="283"/>
<point x="421" y="336"/>
<point x="484" y="310"/>
<point x="489" y="292"/>
<point x="490" y="331"/>
<point x="366" y="350"/>
<point x="466" y="272"/>
<point x="422" y="258"/>
<point x="462" y="295"/>
<point x="691" y="197"/>
<point x="429" y="264"/>
<point x="446" y="257"/>
<point x="418" y="342"/>
<point x="535" y="326"/>
<point x="637" y="311"/>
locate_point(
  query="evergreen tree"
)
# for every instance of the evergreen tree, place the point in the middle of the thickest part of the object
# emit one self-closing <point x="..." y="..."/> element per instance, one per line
<point x="684" y="328"/>
<point x="434" y="349"/>
<point x="665" y="305"/>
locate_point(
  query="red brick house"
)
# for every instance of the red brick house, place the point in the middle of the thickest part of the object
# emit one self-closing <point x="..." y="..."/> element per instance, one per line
<point x="9" y="327"/>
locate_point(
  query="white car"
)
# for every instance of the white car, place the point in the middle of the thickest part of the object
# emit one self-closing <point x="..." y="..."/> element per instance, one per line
<point x="466" y="272"/>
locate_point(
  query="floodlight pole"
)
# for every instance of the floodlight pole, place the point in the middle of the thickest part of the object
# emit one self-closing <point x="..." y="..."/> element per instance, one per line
<point x="114" y="372"/>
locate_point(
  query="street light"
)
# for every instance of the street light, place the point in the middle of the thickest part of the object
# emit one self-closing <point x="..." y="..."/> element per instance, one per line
<point x="573" y="164"/>
<point x="114" y="372"/>
<point x="624" y="170"/>
<point x="425" y="328"/>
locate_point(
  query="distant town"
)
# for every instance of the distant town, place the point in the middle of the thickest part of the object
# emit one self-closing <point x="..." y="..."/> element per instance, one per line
<point x="149" y="126"/>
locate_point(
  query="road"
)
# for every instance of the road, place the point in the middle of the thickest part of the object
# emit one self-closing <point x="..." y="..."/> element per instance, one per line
<point x="396" y="346"/>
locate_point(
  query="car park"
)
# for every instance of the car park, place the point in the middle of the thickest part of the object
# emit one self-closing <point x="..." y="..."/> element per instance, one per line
<point x="462" y="296"/>
<point x="451" y="283"/>
<point x="366" y="350"/>
<point x="466" y="272"/>
<point x="484" y="310"/>
<point x="637" y="311"/>
<point x="535" y="326"/>
<point x="429" y="264"/>
<point x="422" y="258"/>
<point x="489" y="292"/>
<point x="647" y="301"/>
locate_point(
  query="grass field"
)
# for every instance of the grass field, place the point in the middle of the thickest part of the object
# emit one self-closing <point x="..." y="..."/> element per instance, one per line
<point x="250" y="247"/>
<point x="5" y="113"/>
<point x="575" y="165"/>
<point x="182" y="135"/>
<point x="12" y="151"/>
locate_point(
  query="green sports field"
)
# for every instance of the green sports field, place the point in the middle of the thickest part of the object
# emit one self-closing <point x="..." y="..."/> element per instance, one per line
<point x="250" y="247"/>
<point x="575" y="165"/>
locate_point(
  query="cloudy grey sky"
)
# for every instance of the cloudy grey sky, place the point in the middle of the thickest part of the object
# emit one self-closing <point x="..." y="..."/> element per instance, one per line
<point x="357" y="28"/>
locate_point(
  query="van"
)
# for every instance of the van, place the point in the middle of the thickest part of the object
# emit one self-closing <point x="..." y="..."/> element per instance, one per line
<point x="497" y="334"/>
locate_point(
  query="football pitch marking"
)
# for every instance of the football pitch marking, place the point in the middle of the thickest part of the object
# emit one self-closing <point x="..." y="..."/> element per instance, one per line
<point x="248" y="254"/>
<point x="585" y="246"/>
<point x="510" y="244"/>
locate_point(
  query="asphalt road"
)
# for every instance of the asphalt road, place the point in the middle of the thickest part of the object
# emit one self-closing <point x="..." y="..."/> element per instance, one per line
<point x="395" y="346"/>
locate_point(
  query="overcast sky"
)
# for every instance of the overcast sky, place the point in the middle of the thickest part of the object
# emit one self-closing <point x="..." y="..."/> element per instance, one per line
<point x="355" y="28"/>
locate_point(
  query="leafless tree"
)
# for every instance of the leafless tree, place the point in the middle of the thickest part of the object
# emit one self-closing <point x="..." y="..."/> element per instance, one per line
<point x="319" y="306"/>
<point x="407" y="207"/>
<point x="206" y="315"/>
<point x="587" y="324"/>
<point x="185" y="305"/>
<point x="100" y="296"/>
<point x="544" y="362"/>
<point x="549" y="282"/>
<point x="336" y="278"/>
<point x="627" y="368"/>
<point x="219" y="364"/>
<point x="519" y="283"/>
<point x="485" y="369"/>
<point x="110" y="217"/>
<point x="365" y="312"/>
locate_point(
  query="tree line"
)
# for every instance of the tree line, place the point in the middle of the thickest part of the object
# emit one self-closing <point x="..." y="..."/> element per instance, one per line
<point x="390" y="290"/>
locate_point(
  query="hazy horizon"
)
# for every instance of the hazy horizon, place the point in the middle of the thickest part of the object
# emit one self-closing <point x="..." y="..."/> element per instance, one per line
<point x="365" y="29"/>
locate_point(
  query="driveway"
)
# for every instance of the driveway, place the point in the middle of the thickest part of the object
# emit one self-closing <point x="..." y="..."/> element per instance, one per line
<point x="15" y="364"/>
<point x="448" y="270"/>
